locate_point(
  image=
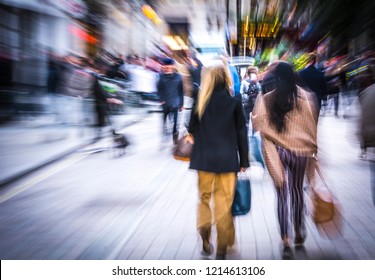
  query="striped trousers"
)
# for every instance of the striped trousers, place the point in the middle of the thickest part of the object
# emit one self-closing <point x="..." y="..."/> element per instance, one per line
<point x="290" y="196"/>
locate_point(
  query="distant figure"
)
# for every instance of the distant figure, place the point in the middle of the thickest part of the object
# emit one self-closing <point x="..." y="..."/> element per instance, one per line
<point x="236" y="81"/>
<point x="250" y="88"/>
<point x="171" y="93"/>
<point x="195" y="70"/>
<point x="287" y="121"/>
<point x="54" y="73"/>
<point x="333" y="82"/>
<point x="194" y="66"/>
<point x="313" y="80"/>
<point x="367" y="128"/>
<point x="218" y="129"/>
<point x="102" y="99"/>
<point x="367" y="121"/>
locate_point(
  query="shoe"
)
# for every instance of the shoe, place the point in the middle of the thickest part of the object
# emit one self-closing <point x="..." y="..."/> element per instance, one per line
<point x="299" y="240"/>
<point x="207" y="248"/>
<point x="220" y="257"/>
<point x="221" y="252"/>
<point x="363" y="156"/>
<point x="287" y="253"/>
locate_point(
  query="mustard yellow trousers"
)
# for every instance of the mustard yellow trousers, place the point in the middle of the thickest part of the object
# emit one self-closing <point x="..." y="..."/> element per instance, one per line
<point x="221" y="187"/>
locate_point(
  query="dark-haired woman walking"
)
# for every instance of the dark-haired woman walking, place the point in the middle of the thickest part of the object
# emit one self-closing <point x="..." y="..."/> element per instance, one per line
<point x="287" y="121"/>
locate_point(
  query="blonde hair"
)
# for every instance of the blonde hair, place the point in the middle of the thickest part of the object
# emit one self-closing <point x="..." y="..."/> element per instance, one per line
<point x="213" y="75"/>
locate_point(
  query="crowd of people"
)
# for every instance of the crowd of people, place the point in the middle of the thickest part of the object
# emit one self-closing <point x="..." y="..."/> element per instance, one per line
<point x="284" y="107"/>
<point x="224" y="109"/>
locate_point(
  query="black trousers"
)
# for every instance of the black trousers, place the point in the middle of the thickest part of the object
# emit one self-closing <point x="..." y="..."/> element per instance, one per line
<point x="172" y="113"/>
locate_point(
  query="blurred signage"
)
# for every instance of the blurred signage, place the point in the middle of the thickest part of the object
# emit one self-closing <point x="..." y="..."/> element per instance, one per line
<point x="82" y="34"/>
<point x="151" y="14"/>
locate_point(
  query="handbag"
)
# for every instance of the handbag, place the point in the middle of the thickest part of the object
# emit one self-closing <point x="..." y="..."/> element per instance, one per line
<point x="324" y="207"/>
<point x="182" y="150"/>
<point x="323" y="202"/>
<point x="242" y="196"/>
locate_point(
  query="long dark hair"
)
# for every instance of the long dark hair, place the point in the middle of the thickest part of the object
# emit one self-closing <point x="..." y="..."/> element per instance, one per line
<point x="285" y="95"/>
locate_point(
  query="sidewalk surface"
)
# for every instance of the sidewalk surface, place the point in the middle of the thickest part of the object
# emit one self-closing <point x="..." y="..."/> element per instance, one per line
<point x="35" y="140"/>
<point x="142" y="206"/>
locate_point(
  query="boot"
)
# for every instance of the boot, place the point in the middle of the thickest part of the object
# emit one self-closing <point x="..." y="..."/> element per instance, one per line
<point x="207" y="248"/>
<point x="221" y="252"/>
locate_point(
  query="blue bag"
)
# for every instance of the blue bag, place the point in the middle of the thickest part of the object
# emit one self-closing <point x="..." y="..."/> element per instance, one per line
<point x="242" y="196"/>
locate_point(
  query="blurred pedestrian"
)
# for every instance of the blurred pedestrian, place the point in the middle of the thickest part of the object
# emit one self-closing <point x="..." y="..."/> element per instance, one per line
<point x="102" y="98"/>
<point x="218" y="129"/>
<point x="195" y="70"/>
<point x="333" y="82"/>
<point x="287" y="121"/>
<point x="235" y="77"/>
<point x="171" y="93"/>
<point x="54" y="73"/>
<point x="250" y="88"/>
<point x="333" y="91"/>
<point x="312" y="79"/>
<point x="191" y="74"/>
<point x="367" y="123"/>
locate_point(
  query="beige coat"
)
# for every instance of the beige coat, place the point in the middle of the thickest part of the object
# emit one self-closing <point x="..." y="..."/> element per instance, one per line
<point x="300" y="135"/>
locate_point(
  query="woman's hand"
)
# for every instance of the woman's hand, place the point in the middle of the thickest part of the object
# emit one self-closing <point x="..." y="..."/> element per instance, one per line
<point x="243" y="169"/>
<point x="190" y="138"/>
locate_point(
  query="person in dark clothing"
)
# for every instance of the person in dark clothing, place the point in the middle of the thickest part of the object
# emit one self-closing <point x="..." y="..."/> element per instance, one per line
<point x="171" y="93"/>
<point x="218" y="130"/>
<point x="102" y="98"/>
<point x="313" y="80"/>
<point x="333" y="90"/>
<point x="53" y="75"/>
<point x="195" y="70"/>
<point x="100" y="102"/>
<point x="367" y="124"/>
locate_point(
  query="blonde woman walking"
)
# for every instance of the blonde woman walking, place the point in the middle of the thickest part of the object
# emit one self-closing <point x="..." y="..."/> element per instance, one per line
<point x="218" y="128"/>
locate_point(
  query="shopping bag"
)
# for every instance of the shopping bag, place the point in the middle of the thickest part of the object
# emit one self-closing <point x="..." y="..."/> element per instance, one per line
<point x="242" y="196"/>
<point x="324" y="208"/>
<point x="323" y="205"/>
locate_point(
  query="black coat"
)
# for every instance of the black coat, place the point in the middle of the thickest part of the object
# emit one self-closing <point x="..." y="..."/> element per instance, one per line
<point x="313" y="80"/>
<point x="195" y="74"/>
<point x="220" y="137"/>
<point x="170" y="91"/>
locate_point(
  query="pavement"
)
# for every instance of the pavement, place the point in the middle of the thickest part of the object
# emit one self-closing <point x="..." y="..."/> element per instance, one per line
<point x="143" y="206"/>
<point x="32" y="140"/>
<point x="64" y="125"/>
